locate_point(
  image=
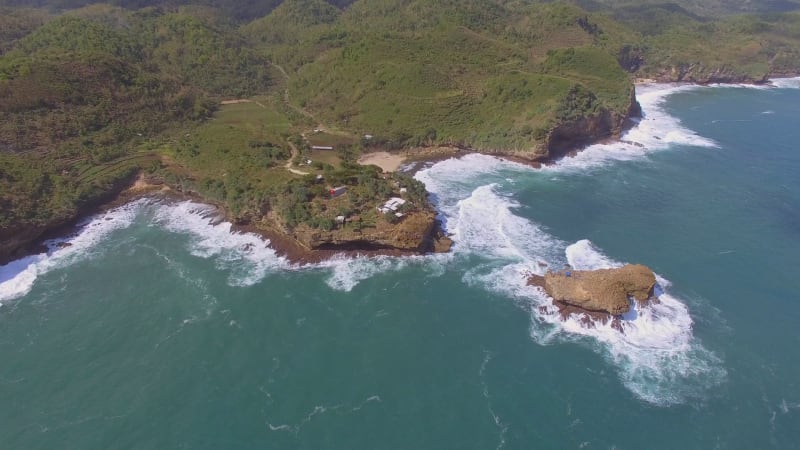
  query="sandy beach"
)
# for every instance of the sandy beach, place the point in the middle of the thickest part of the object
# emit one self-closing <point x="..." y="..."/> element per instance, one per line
<point x="389" y="162"/>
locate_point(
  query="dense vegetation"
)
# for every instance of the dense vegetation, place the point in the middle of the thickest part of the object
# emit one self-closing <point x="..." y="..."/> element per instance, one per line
<point x="91" y="94"/>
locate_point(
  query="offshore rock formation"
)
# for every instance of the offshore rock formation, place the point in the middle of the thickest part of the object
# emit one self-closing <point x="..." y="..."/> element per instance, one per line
<point x="598" y="291"/>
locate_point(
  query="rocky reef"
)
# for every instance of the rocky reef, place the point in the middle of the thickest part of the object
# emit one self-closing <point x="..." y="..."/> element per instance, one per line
<point x="417" y="232"/>
<point x="598" y="291"/>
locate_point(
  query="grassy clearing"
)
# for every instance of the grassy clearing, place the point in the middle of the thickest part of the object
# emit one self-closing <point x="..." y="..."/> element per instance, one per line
<point x="322" y="138"/>
<point x="326" y="157"/>
<point x="238" y="154"/>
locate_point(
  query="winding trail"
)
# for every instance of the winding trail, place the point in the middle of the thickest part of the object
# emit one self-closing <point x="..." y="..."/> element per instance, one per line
<point x="295" y="153"/>
<point x="299" y="110"/>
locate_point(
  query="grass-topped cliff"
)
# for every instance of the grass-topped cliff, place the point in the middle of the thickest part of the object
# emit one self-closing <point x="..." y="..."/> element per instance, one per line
<point x="91" y="95"/>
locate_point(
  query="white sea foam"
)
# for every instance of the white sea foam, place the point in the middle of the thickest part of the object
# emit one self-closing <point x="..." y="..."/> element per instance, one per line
<point x="17" y="278"/>
<point x="657" y="357"/>
<point x="485" y="225"/>
<point x="785" y="83"/>
<point x="249" y="259"/>
<point x="661" y="361"/>
<point x="454" y="179"/>
<point x="247" y="256"/>
<point x="346" y="273"/>
<point x="656" y="130"/>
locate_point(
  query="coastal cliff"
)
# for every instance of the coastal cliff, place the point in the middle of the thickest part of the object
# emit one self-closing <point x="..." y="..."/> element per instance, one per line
<point x="417" y="232"/>
<point x="699" y="73"/>
<point x="573" y="134"/>
<point x="569" y="135"/>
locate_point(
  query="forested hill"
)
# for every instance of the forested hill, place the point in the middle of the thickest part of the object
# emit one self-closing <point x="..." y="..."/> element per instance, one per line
<point x="700" y="8"/>
<point x="93" y="93"/>
<point x="239" y="10"/>
<point x="245" y="10"/>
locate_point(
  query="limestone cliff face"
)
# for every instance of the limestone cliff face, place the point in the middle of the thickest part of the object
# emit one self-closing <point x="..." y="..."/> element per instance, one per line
<point x="606" y="123"/>
<point x="701" y="74"/>
<point x="603" y="290"/>
<point x="416" y="232"/>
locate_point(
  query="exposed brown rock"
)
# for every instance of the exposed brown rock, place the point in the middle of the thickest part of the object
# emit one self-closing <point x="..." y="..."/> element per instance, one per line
<point x="416" y="232"/>
<point x="602" y="290"/>
<point x="700" y="74"/>
<point x="572" y="135"/>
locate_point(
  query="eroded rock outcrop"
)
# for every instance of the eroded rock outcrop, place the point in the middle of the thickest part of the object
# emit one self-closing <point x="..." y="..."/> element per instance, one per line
<point x="571" y="135"/>
<point x="602" y="290"/>
<point x="416" y="232"/>
<point x="699" y="73"/>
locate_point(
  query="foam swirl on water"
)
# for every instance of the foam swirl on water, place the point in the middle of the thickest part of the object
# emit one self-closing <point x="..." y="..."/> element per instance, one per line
<point x="656" y="355"/>
<point x="17" y="278"/>
<point x="247" y="256"/>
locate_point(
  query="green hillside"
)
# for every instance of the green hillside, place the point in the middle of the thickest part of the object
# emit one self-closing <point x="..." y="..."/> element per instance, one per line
<point x="92" y="94"/>
<point x="696" y="8"/>
<point x="80" y="94"/>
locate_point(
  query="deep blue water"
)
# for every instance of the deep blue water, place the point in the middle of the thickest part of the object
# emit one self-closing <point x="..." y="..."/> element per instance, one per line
<point x="158" y="330"/>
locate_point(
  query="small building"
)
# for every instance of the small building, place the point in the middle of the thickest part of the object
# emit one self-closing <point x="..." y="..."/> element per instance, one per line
<point x="321" y="147"/>
<point x="337" y="191"/>
<point x="392" y="205"/>
<point x="340" y="220"/>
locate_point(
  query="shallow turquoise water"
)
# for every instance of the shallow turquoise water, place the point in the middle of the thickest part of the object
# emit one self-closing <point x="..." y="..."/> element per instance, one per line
<point x="157" y="330"/>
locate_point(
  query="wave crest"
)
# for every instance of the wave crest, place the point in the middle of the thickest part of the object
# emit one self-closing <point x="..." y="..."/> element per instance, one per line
<point x="656" y="356"/>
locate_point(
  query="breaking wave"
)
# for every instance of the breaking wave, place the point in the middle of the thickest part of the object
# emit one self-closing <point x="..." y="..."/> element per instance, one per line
<point x="785" y="83"/>
<point x="246" y="256"/>
<point x="17" y="278"/>
<point x="656" y="356"/>
<point x="656" y="130"/>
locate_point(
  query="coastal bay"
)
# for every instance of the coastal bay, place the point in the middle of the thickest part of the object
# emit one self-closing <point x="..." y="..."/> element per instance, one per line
<point x="195" y="328"/>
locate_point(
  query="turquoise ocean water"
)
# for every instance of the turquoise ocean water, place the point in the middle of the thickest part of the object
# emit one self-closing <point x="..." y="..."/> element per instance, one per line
<point x="156" y="329"/>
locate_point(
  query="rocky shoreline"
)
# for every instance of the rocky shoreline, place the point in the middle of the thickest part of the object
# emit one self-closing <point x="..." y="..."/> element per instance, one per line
<point x="564" y="140"/>
<point x="282" y="243"/>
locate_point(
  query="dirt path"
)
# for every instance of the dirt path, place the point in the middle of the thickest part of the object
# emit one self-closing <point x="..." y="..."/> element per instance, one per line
<point x="242" y="100"/>
<point x="286" y="95"/>
<point x="295" y="153"/>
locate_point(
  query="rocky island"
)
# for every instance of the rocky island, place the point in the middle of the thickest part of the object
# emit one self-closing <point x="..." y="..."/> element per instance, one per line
<point x="598" y="293"/>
